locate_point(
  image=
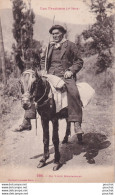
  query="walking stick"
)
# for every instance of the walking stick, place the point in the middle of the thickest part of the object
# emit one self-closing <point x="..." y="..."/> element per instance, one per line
<point x="36" y="123"/>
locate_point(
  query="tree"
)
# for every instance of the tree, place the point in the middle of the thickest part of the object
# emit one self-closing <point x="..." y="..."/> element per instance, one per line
<point x="25" y="52"/>
<point x="102" y="33"/>
<point x="79" y="44"/>
<point x="2" y="57"/>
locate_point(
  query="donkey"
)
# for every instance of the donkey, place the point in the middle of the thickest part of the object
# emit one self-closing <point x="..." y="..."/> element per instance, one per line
<point x="36" y="88"/>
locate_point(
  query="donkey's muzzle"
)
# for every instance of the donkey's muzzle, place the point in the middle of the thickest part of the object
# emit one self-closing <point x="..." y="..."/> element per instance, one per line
<point x="25" y="106"/>
<point x="25" y="101"/>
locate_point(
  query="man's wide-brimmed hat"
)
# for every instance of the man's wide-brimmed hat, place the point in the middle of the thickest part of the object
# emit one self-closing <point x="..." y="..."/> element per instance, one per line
<point x="59" y="27"/>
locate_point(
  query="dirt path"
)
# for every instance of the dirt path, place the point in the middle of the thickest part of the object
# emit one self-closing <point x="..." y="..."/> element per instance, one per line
<point x="26" y="149"/>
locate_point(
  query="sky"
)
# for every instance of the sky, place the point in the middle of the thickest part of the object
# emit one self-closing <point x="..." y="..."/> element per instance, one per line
<point x="70" y="11"/>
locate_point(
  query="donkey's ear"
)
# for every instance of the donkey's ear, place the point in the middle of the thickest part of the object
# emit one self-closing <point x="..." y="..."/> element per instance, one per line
<point x="41" y="73"/>
<point x="38" y="73"/>
<point x="21" y="86"/>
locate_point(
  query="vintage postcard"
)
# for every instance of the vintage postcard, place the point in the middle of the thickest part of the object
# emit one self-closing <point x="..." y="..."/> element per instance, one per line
<point x="57" y="91"/>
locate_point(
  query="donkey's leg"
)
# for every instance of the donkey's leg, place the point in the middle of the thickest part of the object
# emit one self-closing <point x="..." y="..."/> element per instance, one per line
<point x="45" y="126"/>
<point x="55" y="139"/>
<point x="68" y="132"/>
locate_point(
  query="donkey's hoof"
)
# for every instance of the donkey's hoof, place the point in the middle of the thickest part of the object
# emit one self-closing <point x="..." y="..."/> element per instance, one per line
<point x="91" y="161"/>
<point x="65" y="140"/>
<point x="79" y="137"/>
<point x="41" y="164"/>
<point x="57" y="166"/>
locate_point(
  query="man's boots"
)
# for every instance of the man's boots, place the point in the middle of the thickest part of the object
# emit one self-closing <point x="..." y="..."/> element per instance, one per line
<point x="29" y="114"/>
<point x="26" y="125"/>
<point x="78" y="131"/>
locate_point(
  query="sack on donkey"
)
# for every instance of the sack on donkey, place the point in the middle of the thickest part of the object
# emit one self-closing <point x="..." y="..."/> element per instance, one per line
<point x="85" y="90"/>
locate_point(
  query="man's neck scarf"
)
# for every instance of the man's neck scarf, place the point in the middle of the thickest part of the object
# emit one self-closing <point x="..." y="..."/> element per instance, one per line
<point x="58" y="45"/>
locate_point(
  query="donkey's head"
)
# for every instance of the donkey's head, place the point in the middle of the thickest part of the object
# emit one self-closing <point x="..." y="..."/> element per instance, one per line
<point x="28" y="86"/>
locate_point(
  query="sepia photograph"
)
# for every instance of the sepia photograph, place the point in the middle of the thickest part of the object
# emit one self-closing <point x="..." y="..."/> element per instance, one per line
<point x="57" y="91"/>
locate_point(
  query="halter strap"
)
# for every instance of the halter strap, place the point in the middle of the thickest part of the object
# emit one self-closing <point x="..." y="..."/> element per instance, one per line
<point x="42" y="96"/>
<point x="49" y="96"/>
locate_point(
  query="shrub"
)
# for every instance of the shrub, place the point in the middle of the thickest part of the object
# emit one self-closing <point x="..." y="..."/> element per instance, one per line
<point x="8" y="95"/>
<point x="13" y="88"/>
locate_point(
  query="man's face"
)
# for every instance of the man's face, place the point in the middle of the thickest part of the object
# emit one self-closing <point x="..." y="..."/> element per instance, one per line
<point x="57" y="35"/>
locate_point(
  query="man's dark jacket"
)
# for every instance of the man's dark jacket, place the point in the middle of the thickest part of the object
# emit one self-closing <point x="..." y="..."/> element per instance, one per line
<point x="69" y="58"/>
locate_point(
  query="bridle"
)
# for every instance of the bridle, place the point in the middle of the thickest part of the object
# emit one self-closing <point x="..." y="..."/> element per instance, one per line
<point x="27" y="94"/>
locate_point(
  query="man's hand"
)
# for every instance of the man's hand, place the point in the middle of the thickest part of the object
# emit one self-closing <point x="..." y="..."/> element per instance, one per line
<point x="68" y="74"/>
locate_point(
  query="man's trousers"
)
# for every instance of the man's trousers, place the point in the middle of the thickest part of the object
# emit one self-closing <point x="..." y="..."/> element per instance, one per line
<point x="74" y="102"/>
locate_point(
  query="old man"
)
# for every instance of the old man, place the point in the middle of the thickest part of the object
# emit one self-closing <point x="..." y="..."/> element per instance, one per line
<point x="63" y="61"/>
